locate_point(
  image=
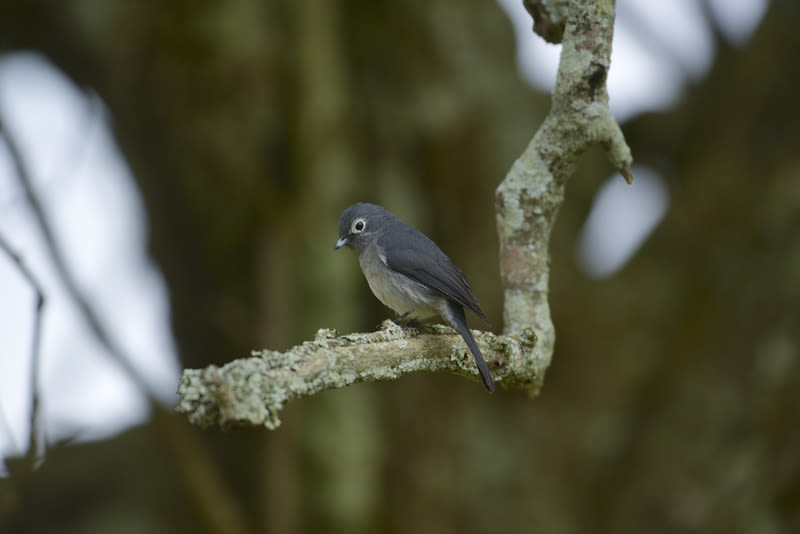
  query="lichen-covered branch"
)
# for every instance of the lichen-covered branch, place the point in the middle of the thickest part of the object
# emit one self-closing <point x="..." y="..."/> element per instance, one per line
<point x="529" y="198"/>
<point x="253" y="391"/>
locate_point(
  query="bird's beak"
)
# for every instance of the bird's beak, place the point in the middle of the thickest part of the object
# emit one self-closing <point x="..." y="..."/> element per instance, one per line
<point x="339" y="244"/>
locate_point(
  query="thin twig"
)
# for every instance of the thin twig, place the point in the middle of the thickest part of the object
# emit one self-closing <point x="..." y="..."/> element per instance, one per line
<point x="213" y="497"/>
<point x="33" y="440"/>
<point x="63" y="272"/>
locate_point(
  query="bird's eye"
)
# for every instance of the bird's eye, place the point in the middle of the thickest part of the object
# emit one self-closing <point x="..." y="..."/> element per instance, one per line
<point x="359" y="226"/>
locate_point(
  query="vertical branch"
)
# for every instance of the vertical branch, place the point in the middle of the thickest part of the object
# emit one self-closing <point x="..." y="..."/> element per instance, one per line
<point x="33" y="440"/>
<point x="530" y="196"/>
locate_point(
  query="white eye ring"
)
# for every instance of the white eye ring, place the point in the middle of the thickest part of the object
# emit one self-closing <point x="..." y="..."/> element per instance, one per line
<point x="359" y="225"/>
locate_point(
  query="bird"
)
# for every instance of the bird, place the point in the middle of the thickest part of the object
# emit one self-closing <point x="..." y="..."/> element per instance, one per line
<point x="410" y="274"/>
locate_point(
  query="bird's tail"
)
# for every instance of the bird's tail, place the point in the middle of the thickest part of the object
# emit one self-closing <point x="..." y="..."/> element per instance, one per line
<point x="458" y="321"/>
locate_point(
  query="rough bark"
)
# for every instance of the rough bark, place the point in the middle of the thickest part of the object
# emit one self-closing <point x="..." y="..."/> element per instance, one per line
<point x="252" y="391"/>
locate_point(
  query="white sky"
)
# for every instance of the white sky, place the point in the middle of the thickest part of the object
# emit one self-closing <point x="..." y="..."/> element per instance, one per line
<point x="94" y="205"/>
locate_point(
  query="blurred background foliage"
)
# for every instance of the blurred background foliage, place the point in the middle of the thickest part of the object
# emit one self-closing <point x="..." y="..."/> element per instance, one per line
<point x="673" y="399"/>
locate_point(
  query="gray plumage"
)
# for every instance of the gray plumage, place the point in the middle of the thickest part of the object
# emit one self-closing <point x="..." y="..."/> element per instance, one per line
<point x="410" y="274"/>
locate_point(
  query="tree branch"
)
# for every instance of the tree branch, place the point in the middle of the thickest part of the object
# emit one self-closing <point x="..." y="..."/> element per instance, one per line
<point x="529" y="198"/>
<point x="36" y="343"/>
<point x="252" y="391"/>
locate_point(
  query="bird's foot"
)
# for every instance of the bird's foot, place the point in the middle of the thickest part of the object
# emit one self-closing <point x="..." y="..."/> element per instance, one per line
<point x="408" y="323"/>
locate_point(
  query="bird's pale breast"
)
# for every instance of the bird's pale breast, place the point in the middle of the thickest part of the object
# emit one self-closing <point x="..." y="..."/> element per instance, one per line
<point x="395" y="290"/>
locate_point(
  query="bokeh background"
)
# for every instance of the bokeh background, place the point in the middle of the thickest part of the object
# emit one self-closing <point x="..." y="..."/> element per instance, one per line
<point x="673" y="400"/>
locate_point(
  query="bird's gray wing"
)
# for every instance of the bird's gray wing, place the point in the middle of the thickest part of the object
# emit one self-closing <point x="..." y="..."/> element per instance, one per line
<point x="411" y="253"/>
